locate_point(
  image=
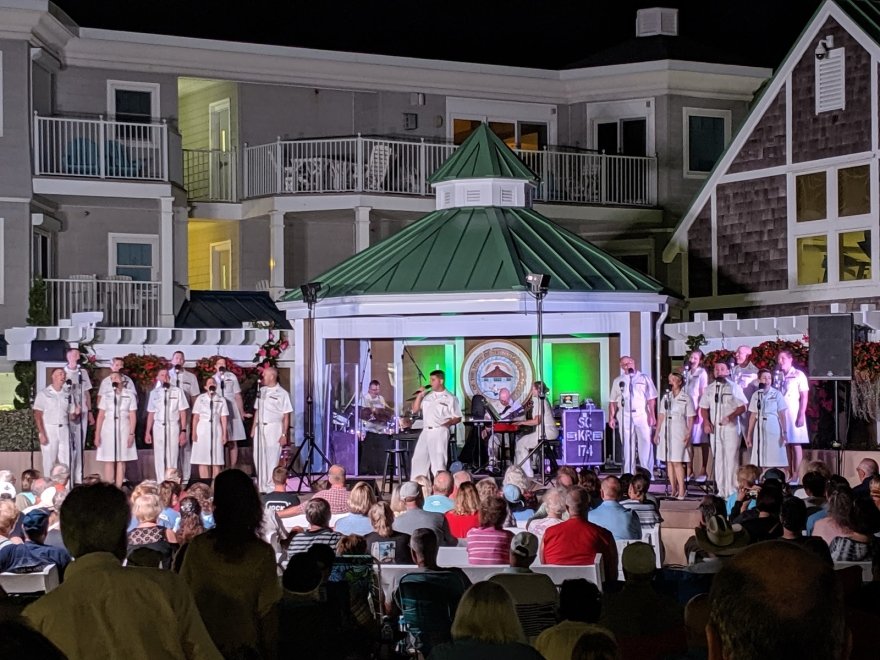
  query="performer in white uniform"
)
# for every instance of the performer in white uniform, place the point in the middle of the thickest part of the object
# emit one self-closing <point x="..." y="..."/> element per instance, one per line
<point x="80" y="394"/>
<point x="633" y="411"/>
<point x="375" y="437"/>
<point x="542" y="417"/>
<point x="166" y="423"/>
<point x="744" y="374"/>
<point x="795" y="388"/>
<point x="675" y="418"/>
<point x="189" y="384"/>
<point x="507" y="410"/>
<point x="767" y="424"/>
<point x="230" y="389"/>
<point x="209" y="413"/>
<point x="440" y="411"/>
<point x="722" y="402"/>
<point x="114" y="430"/>
<point x="271" y="428"/>
<point x="53" y="409"/>
<point x="106" y="387"/>
<point x="696" y="380"/>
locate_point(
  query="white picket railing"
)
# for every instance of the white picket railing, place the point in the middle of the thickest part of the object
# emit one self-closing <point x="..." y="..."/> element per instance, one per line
<point x="124" y="302"/>
<point x="211" y="174"/>
<point x="100" y="148"/>
<point x="366" y="164"/>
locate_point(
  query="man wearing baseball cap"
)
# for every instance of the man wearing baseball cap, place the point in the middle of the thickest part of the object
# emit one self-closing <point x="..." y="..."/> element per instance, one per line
<point x="33" y="555"/>
<point x="416" y="518"/>
<point x="533" y="594"/>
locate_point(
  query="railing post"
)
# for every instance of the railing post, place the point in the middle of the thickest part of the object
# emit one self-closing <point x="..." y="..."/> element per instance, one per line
<point x="102" y="150"/>
<point x="244" y="171"/>
<point x="279" y="167"/>
<point x="164" y="147"/>
<point x="423" y="169"/>
<point x="359" y="175"/>
<point x="233" y="174"/>
<point x="603" y="176"/>
<point x="36" y="146"/>
<point x="545" y="175"/>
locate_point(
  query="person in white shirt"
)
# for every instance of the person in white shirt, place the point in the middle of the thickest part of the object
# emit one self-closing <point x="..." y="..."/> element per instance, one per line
<point x="744" y="374"/>
<point x="230" y="389"/>
<point x="53" y="409"/>
<point x="209" y="413"/>
<point x="80" y="394"/>
<point x="271" y="428"/>
<point x="114" y="430"/>
<point x="375" y="439"/>
<point x="189" y="385"/>
<point x="676" y="417"/>
<point x="795" y="388"/>
<point x="721" y="403"/>
<point x="542" y="419"/>
<point x="633" y="410"/>
<point x="507" y="411"/>
<point x="440" y="411"/>
<point x="696" y="380"/>
<point x="106" y="387"/>
<point x="767" y="424"/>
<point x="166" y="423"/>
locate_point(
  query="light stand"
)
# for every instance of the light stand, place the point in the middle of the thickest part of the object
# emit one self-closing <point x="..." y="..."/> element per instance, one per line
<point x="666" y="422"/>
<point x="306" y="476"/>
<point x="715" y="440"/>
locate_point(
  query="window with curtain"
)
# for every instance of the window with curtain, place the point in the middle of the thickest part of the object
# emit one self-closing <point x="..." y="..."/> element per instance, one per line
<point x="135" y="260"/>
<point x="811" y="197"/>
<point x="854" y="190"/>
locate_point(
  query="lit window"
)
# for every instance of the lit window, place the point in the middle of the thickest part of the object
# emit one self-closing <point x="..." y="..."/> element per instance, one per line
<point x="854" y="255"/>
<point x="811" y="195"/>
<point x="854" y="190"/>
<point x="812" y="259"/>
<point x="462" y="128"/>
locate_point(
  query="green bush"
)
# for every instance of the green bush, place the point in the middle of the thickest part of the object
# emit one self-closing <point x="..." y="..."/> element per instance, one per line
<point x="17" y="431"/>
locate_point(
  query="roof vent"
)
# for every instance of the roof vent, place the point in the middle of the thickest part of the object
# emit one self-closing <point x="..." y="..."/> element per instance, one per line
<point x="657" y="20"/>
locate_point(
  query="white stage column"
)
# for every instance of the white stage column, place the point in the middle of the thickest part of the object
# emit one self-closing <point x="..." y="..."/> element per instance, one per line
<point x="361" y="228"/>
<point x="166" y="262"/>
<point x="276" y="253"/>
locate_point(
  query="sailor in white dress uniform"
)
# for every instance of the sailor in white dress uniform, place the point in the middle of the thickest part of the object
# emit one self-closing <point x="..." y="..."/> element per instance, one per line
<point x="106" y="386"/>
<point x="209" y="413"/>
<point x="633" y="410"/>
<point x="80" y="393"/>
<point x="722" y="402"/>
<point x="189" y="384"/>
<point x="230" y="389"/>
<point x="440" y="411"/>
<point x="166" y="423"/>
<point x="795" y="388"/>
<point x="53" y="408"/>
<point x="675" y="418"/>
<point x="114" y="430"/>
<point x="767" y="424"/>
<point x="271" y="428"/>
<point x="696" y="378"/>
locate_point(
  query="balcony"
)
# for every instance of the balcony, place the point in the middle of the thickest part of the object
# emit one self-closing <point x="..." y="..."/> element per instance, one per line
<point x="100" y="149"/>
<point x="124" y="302"/>
<point x="403" y="167"/>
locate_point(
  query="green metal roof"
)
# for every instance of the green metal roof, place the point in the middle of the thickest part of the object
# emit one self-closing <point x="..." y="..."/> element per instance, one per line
<point x="866" y="13"/>
<point x="480" y="249"/>
<point x="482" y="155"/>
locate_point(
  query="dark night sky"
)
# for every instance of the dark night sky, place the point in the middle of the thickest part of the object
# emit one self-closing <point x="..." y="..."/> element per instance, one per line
<point x="535" y="33"/>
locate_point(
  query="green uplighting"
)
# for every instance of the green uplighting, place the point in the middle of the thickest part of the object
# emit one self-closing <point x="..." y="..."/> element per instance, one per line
<point x="573" y="367"/>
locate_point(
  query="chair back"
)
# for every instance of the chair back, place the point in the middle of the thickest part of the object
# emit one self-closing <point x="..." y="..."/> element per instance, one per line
<point x="377" y="166"/>
<point x="362" y="575"/>
<point x="428" y="604"/>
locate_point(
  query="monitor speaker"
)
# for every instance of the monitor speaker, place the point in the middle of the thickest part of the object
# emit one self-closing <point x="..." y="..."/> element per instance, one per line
<point x="48" y="350"/>
<point x="831" y="347"/>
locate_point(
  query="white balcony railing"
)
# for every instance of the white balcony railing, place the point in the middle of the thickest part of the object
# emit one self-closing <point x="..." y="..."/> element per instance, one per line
<point x="124" y="302"/>
<point x="211" y="174"/>
<point x="360" y="164"/>
<point x="100" y="148"/>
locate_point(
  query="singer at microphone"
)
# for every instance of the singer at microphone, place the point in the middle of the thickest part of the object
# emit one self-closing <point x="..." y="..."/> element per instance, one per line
<point x="766" y="435"/>
<point x="720" y="405"/>
<point x="674" y="433"/>
<point x="209" y="414"/>
<point x="166" y="423"/>
<point x="230" y="388"/>
<point x="696" y="380"/>
<point x="271" y="428"/>
<point x="114" y="430"/>
<point x="633" y="410"/>
<point x="53" y="409"/>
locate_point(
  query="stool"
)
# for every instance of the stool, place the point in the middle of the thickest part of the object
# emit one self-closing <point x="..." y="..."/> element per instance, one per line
<point x="395" y="467"/>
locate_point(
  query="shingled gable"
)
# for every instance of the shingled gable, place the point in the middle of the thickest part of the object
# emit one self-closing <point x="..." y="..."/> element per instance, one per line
<point x="861" y="19"/>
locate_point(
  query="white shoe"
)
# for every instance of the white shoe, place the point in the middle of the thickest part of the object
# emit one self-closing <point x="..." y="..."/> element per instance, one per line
<point x="701" y="479"/>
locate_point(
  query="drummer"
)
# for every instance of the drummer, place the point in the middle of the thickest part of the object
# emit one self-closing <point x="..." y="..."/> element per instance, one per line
<point x="375" y="415"/>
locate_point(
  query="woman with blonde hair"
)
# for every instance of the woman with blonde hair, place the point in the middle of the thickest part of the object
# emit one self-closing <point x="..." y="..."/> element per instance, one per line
<point x="465" y="514"/>
<point x="385" y="544"/>
<point x="554" y="505"/>
<point x="397" y="504"/>
<point x="486" y="626"/>
<point x="425" y="483"/>
<point x="360" y="500"/>
<point x="149" y="534"/>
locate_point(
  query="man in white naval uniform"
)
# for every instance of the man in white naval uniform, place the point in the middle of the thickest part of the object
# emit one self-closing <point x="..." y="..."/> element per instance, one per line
<point x="721" y="404"/>
<point x="189" y="384"/>
<point x="744" y="374"/>
<point x="270" y="429"/>
<point x="166" y="423"/>
<point x="52" y="411"/>
<point x="81" y="396"/>
<point x="634" y="411"/>
<point x="440" y="411"/>
<point x="106" y="386"/>
<point x="542" y="419"/>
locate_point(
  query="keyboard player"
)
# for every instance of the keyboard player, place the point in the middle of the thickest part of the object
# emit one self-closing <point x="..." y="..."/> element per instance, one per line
<point x="507" y="411"/>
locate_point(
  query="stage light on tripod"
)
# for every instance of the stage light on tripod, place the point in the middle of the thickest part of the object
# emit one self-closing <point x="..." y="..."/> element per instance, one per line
<point x="538" y="282"/>
<point x="310" y="292"/>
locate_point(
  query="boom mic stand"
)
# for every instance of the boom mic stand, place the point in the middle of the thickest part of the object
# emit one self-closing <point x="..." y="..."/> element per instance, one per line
<point x="666" y="424"/>
<point x="762" y="432"/>
<point x="715" y="432"/>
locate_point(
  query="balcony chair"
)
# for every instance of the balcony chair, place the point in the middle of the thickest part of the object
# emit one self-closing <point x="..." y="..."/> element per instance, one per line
<point x="82" y="295"/>
<point x="377" y="167"/>
<point x="81" y="157"/>
<point x="119" y="162"/>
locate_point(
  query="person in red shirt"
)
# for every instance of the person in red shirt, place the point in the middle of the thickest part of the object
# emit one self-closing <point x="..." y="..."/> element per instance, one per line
<point x="466" y="513"/>
<point x="576" y="541"/>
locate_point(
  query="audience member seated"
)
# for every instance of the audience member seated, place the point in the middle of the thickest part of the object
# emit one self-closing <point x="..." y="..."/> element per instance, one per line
<point x="576" y="541"/>
<point x="875" y="491"/>
<point x="814" y="487"/>
<point x="834" y="482"/>
<point x="580" y="606"/>
<point x="489" y="543"/>
<point x="566" y="477"/>
<point x="710" y="506"/>
<point x="533" y="594"/>
<point x="458" y="478"/>
<point x="465" y="513"/>
<point x="645" y="623"/>
<point x="146" y="487"/>
<point x="622" y="523"/>
<point x="53" y="536"/>
<point x="696" y="618"/>
<point x="838" y="521"/>
<point x="718" y="540"/>
<point x="866" y="469"/>
<point x="232" y="572"/>
<point x="766" y="525"/>
<point x="384" y="544"/>
<point x="859" y="543"/>
<point x="793" y="516"/>
<point x="360" y="500"/>
<point x="589" y="481"/>
<point x="417" y="518"/>
<point x="638" y="502"/>
<point x="188" y="527"/>
<point x="278" y="498"/>
<point x="554" y="509"/>
<point x="104" y="609"/>
<point x="149" y="533"/>
<point x="36" y="528"/>
<point x="336" y="495"/>
<point x="485" y="628"/>
<point x="59" y="480"/>
<point x="38" y="487"/>
<point x="24" y="557"/>
<point x="26" y="497"/>
<point x="487" y="488"/>
<point x="7" y="485"/>
<point x="319" y="532"/>
<point x="202" y="493"/>
<point x="351" y="544"/>
<point x="599" y="645"/>
<point x="746" y="482"/>
<point x="440" y="501"/>
<point x="750" y="618"/>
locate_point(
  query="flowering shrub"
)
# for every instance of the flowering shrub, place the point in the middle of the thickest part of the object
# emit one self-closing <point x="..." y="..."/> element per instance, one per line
<point x="713" y="358"/>
<point x="764" y="355"/>
<point x="268" y="353"/>
<point x="142" y="369"/>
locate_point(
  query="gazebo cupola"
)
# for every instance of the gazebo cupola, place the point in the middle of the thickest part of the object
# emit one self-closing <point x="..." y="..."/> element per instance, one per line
<point x="483" y="172"/>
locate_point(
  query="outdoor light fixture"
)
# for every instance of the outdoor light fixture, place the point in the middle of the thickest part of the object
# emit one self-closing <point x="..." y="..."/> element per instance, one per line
<point x="310" y="292"/>
<point x="538" y="282"/>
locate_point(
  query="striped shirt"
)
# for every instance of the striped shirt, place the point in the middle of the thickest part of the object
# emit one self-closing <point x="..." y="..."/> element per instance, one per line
<point x="487" y="546"/>
<point x="305" y="540"/>
<point x="647" y="512"/>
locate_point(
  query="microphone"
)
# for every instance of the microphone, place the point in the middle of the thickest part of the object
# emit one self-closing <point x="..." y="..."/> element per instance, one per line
<point x="666" y="399"/>
<point x="762" y="386"/>
<point x="166" y="385"/>
<point x="114" y="385"/>
<point x="718" y="383"/>
<point x="630" y="371"/>
<point x="212" y="389"/>
<point x="621" y="385"/>
<point x="221" y="369"/>
<point x="68" y="382"/>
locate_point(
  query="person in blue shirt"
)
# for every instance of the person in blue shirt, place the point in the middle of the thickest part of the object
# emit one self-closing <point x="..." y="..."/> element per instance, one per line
<point x="612" y="515"/>
<point x="33" y="554"/>
<point x="439" y="501"/>
<point x="169" y="495"/>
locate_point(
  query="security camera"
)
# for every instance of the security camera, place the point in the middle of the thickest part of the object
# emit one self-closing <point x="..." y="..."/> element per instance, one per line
<point x="823" y="47"/>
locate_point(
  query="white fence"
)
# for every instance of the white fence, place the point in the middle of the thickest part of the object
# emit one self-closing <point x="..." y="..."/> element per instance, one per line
<point x="211" y="174"/>
<point x="100" y="148"/>
<point x="360" y="164"/>
<point x="124" y="302"/>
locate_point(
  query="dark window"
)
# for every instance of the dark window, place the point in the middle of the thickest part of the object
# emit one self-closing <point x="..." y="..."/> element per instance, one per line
<point x="705" y="142"/>
<point x="606" y="137"/>
<point x="635" y="137"/>
<point x="134" y="106"/>
<point x="638" y="261"/>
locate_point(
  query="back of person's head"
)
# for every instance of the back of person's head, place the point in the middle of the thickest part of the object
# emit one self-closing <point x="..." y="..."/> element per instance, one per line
<point x="424" y="482"/>
<point x="589" y="480"/>
<point x="27" y="479"/>
<point x="302" y="575"/>
<point x="566" y="476"/>
<point x="487" y="488"/>
<point x="361" y="498"/>
<point x="486" y="614"/>
<point x="840" y="506"/>
<point x="462" y="477"/>
<point x="818" y="547"/>
<point x="711" y="506"/>
<point x="865" y="517"/>
<point x="554" y="502"/>
<point x="868" y="466"/>
<point x="814" y="483"/>
<point x="516" y="475"/>
<point x="493" y="512"/>
<point x="623" y="485"/>
<point x="336" y="475"/>
<point x="382" y="519"/>
<point x="397" y="504"/>
<point x="696" y="618"/>
<point x="821" y="467"/>
<point x="95" y="519"/>
<point x="173" y="474"/>
<point x="351" y="544"/>
<point x="60" y="474"/>
<point x="424" y="546"/>
<point x="191" y="524"/>
<point x="770" y="499"/>
<point x="8" y="516"/>
<point x="611" y="488"/>
<point x="793" y="515"/>
<point x="238" y="512"/>
<point x="147" y="508"/>
<point x="595" y="645"/>
<point x="774" y="600"/>
<point x="643" y="472"/>
<point x="577" y="502"/>
<point x="279" y="476"/>
<point x="317" y="512"/>
<point x="748" y="475"/>
<point x="324" y="556"/>
<point x="168" y="491"/>
<point x="443" y="483"/>
<point x="467" y="500"/>
<point x="579" y="600"/>
<point x="638" y="487"/>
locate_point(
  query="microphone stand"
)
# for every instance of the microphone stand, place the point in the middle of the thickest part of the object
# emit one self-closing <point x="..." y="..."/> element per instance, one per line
<point x="666" y="422"/>
<point x="166" y="422"/>
<point x="115" y="428"/>
<point x="82" y="434"/>
<point x="761" y="421"/>
<point x="211" y="418"/>
<point x="632" y="441"/>
<point x="258" y="436"/>
<point x="619" y="427"/>
<point x="715" y="439"/>
<point x="71" y="442"/>
<point x="228" y="410"/>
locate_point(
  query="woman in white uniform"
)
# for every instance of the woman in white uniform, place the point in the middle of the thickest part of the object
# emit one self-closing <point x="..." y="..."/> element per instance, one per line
<point x="767" y="424"/>
<point x="114" y="430"/>
<point x="230" y="388"/>
<point x="675" y="421"/>
<point x="209" y="413"/>
<point x="696" y="379"/>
